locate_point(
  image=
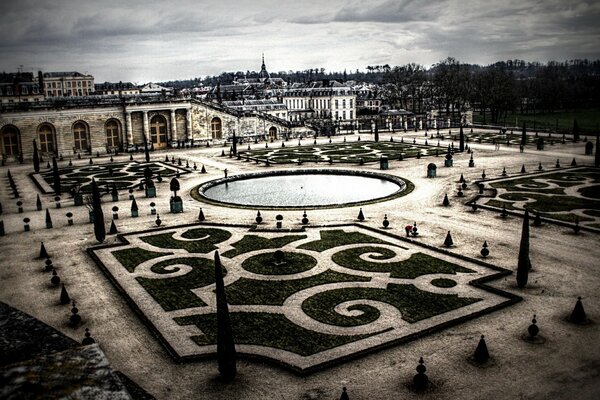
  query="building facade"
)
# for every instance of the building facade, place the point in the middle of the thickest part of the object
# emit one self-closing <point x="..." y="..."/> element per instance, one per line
<point x="57" y="84"/>
<point x="329" y="100"/>
<point x="104" y="124"/>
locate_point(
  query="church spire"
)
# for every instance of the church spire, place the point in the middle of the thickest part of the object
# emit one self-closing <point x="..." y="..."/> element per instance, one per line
<point x="263" y="68"/>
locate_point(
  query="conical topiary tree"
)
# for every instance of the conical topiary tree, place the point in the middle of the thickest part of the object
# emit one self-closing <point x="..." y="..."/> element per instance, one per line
<point x="64" y="295"/>
<point x="481" y="352"/>
<point x="448" y="241"/>
<point x="524" y="264"/>
<point x="38" y="203"/>
<point x="446" y="202"/>
<point x="43" y="252"/>
<point x="361" y="216"/>
<point x="48" y="219"/>
<point x="578" y="316"/>
<point x="56" y="177"/>
<point x="113" y="228"/>
<point x="225" y="343"/>
<point x="461" y="139"/>
<point x="99" y="228"/>
<point x="36" y="158"/>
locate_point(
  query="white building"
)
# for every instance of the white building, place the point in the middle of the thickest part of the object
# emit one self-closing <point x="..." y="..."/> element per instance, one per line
<point x="320" y="100"/>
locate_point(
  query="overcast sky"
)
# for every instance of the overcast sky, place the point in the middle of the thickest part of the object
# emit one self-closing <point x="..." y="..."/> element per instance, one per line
<point x="143" y="41"/>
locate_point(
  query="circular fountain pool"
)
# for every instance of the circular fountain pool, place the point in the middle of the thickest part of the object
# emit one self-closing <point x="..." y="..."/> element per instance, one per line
<point x="303" y="189"/>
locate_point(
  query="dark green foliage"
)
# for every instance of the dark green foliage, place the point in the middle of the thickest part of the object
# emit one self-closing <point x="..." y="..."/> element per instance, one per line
<point x="176" y="293"/>
<point x="265" y="263"/>
<point x="36" y="158"/>
<point x="225" y="342"/>
<point x="201" y="216"/>
<point x="134" y="206"/>
<point x="274" y="329"/>
<point x="132" y="257"/>
<point x="99" y="228"/>
<point x="524" y="264"/>
<point x="414" y="304"/>
<point x="524" y="135"/>
<point x="443" y="283"/>
<point x="174" y="185"/>
<point x="250" y="291"/>
<point x="333" y="238"/>
<point x="56" y="177"/>
<point x="38" y="203"/>
<point x="252" y="242"/>
<point x="575" y="131"/>
<point x="461" y="143"/>
<point x="416" y="265"/>
<point x="207" y="238"/>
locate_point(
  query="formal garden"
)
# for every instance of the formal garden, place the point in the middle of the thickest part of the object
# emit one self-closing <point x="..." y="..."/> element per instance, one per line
<point x="305" y="299"/>
<point x="120" y="175"/>
<point x="571" y="195"/>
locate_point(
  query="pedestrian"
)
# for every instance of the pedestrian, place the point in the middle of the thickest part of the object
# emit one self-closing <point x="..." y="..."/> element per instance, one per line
<point x="225" y="171"/>
<point x="408" y="229"/>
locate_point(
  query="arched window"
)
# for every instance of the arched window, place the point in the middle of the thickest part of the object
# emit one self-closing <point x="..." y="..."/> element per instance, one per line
<point x="46" y="135"/>
<point x="158" y="131"/>
<point x="112" y="134"/>
<point x="10" y="141"/>
<point x="80" y="136"/>
<point x="216" y="128"/>
<point x="273" y="133"/>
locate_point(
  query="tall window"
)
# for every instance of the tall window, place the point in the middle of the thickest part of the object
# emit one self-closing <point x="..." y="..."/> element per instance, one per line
<point x="158" y="131"/>
<point x="46" y="135"/>
<point x="216" y="128"/>
<point x="112" y="134"/>
<point x="80" y="137"/>
<point x="10" y="141"/>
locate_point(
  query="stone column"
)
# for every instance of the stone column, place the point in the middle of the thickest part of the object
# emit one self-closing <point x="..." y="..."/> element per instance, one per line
<point x="188" y="125"/>
<point x="146" y="126"/>
<point x="129" y="128"/>
<point x="173" y="126"/>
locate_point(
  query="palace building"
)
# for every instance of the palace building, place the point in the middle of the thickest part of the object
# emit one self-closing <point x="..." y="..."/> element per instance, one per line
<point x="71" y="125"/>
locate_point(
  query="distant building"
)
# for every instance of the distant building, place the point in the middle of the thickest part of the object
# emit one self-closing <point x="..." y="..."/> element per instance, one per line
<point x="19" y="87"/>
<point x="155" y="88"/>
<point x="116" y="88"/>
<point x="320" y="100"/>
<point x="56" y="84"/>
<point x="268" y="106"/>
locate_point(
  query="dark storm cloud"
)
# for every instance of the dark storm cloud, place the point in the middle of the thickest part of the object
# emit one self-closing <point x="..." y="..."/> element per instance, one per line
<point x="116" y="39"/>
<point x="390" y="11"/>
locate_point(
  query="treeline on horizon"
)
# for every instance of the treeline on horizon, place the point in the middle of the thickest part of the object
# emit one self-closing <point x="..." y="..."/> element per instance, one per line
<point x="498" y="89"/>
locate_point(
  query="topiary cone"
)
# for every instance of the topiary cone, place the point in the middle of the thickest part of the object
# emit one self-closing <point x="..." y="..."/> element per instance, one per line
<point x="113" y="228"/>
<point x="446" y="202"/>
<point x="201" y="217"/>
<point x="448" y="241"/>
<point x="481" y="352"/>
<point x="361" y="216"/>
<point x="578" y="315"/>
<point x="43" y="252"/>
<point x="64" y="295"/>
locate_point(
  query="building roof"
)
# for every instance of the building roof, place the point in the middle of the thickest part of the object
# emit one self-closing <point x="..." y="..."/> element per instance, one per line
<point x="64" y="74"/>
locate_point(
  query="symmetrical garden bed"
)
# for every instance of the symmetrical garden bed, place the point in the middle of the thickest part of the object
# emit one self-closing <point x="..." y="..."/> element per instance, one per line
<point x="353" y="153"/>
<point x="305" y="299"/>
<point x="562" y="195"/>
<point x="123" y="175"/>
